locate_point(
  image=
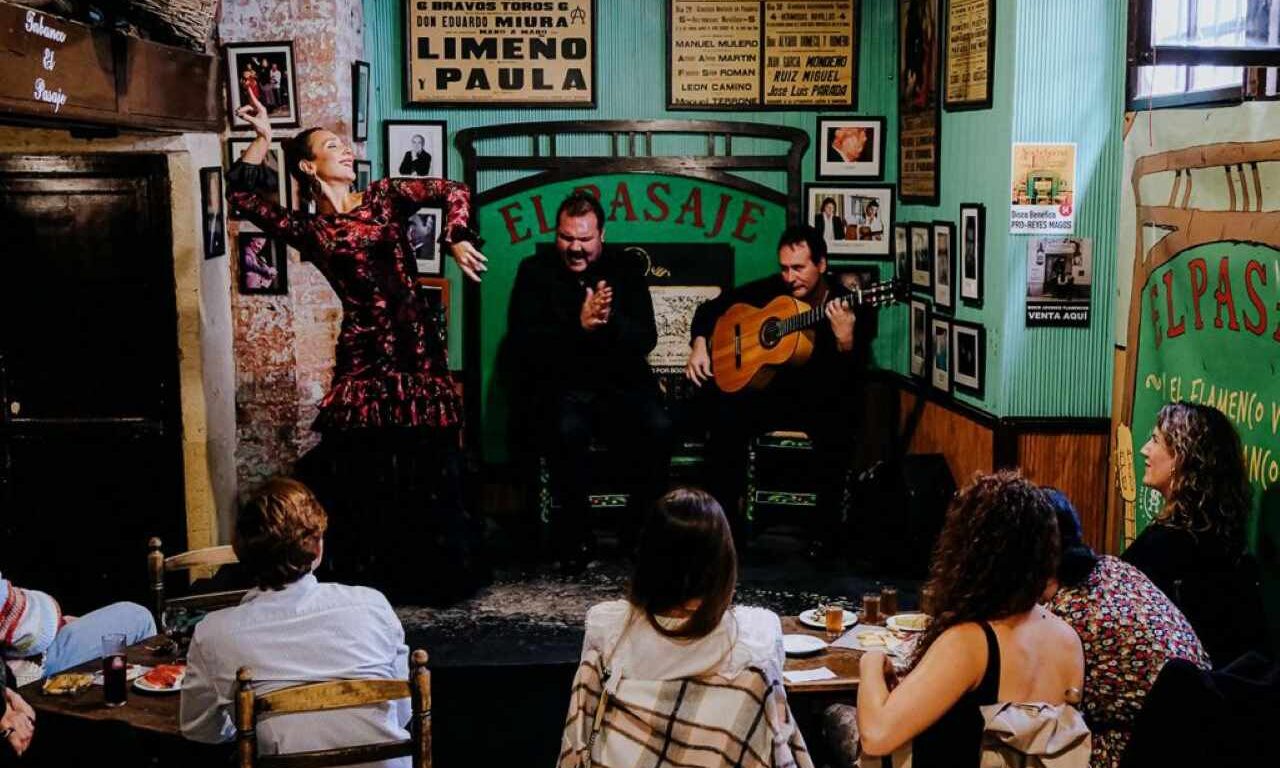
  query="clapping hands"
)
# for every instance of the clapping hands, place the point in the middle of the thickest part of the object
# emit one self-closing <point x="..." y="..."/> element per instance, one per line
<point x="596" y="307"/>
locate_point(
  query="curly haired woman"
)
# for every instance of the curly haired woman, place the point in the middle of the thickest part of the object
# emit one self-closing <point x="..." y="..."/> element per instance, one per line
<point x="989" y="648"/>
<point x="1194" y="550"/>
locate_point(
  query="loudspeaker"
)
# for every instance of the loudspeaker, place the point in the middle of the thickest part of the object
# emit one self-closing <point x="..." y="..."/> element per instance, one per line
<point x="897" y="512"/>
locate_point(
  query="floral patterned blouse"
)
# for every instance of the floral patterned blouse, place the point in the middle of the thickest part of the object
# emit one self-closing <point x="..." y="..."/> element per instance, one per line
<point x="391" y="365"/>
<point x="1129" y="629"/>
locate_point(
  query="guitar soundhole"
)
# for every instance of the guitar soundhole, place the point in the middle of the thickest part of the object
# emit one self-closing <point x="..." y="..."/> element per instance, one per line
<point x="770" y="333"/>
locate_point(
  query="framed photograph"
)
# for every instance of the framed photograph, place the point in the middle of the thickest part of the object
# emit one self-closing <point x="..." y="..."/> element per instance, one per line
<point x="968" y="357"/>
<point x="854" y="220"/>
<point x="854" y="276"/>
<point x="944" y="248"/>
<point x="360" y="101"/>
<point x="919" y="337"/>
<point x="274" y="162"/>
<point x="921" y="256"/>
<point x="415" y="149"/>
<point x="902" y="252"/>
<point x="212" y="229"/>
<point x="434" y="292"/>
<point x="971" y="46"/>
<point x="422" y="229"/>
<point x="850" y="148"/>
<point x="492" y="56"/>
<point x="265" y="70"/>
<point x="364" y="175"/>
<point x="263" y="265"/>
<point x="973" y="238"/>
<point x="940" y="349"/>
<point x="919" y="102"/>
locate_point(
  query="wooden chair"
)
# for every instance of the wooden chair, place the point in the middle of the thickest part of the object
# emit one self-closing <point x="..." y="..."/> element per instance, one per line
<point x="336" y="694"/>
<point x="208" y="557"/>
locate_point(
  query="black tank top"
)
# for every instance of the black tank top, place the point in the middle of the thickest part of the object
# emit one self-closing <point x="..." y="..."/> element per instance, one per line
<point x="955" y="740"/>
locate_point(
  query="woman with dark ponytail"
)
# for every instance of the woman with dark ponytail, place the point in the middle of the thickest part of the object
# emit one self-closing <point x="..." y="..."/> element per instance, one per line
<point x="388" y="464"/>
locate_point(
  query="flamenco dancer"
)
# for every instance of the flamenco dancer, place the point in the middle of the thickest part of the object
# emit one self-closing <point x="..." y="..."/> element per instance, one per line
<point x="388" y="467"/>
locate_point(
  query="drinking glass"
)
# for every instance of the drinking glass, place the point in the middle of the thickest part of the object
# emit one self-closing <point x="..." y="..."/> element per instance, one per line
<point x="115" y="691"/>
<point x="871" y="608"/>
<point x="889" y="600"/>
<point x="834" y="617"/>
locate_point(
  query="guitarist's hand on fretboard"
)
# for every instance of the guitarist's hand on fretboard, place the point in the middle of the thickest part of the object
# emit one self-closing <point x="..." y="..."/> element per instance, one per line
<point x="698" y="368"/>
<point x="596" y="306"/>
<point x="842" y="319"/>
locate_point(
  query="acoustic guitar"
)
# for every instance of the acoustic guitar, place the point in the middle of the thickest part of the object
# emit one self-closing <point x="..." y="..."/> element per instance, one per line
<point x="750" y="343"/>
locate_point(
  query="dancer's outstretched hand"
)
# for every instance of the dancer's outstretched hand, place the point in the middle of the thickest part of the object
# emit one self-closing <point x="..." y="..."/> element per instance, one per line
<point x="470" y="260"/>
<point x="256" y="115"/>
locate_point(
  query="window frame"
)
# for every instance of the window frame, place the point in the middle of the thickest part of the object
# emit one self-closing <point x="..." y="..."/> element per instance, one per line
<point x="1143" y="54"/>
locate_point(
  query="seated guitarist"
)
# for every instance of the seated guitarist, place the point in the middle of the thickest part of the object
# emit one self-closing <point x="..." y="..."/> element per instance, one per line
<point x="815" y="398"/>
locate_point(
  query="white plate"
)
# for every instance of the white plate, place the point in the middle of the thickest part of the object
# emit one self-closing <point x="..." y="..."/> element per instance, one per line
<point x="142" y="685"/>
<point x="811" y="618"/>
<point x="897" y="622"/>
<point x="802" y="645"/>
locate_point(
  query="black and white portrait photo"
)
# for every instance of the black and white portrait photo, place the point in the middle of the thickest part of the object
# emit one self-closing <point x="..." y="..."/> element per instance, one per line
<point x="422" y="229"/>
<point x="972" y="235"/>
<point x="967" y="354"/>
<point x="415" y="149"/>
<point x="274" y="162"/>
<point x="941" y="368"/>
<point x="921" y="256"/>
<point x="212" y="231"/>
<point x="944" y="237"/>
<point x="901" y="252"/>
<point x="919" y="337"/>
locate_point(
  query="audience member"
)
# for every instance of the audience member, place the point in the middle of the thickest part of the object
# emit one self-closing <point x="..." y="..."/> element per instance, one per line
<point x="1128" y="628"/>
<point x="1194" y="550"/>
<point x="37" y="640"/>
<point x="989" y="648"/>
<point x="292" y="629"/>
<point x="679" y="626"/>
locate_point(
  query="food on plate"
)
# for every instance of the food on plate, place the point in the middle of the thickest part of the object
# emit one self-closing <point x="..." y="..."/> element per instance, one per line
<point x="165" y="676"/>
<point x="873" y="639"/>
<point x="912" y="622"/>
<point x="68" y="683"/>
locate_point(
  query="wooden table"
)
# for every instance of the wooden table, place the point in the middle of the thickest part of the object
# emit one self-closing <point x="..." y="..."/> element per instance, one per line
<point x="152" y="712"/>
<point x="842" y="661"/>
<point x="75" y="729"/>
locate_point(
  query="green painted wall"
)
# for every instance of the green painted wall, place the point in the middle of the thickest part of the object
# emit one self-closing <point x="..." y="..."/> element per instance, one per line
<point x="1071" y="90"/>
<point x="631" y="40"/>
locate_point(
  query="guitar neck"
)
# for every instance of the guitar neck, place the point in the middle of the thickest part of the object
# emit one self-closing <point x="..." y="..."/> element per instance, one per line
<point x="803" y="320"/>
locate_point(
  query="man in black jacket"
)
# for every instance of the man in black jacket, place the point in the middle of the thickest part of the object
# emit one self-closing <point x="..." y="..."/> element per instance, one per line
<point x="581" y="325"/>
<point x="815" y="398"/>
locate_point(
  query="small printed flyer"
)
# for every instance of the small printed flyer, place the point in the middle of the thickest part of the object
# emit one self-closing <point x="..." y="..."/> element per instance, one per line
<point x="1043" y="189"/>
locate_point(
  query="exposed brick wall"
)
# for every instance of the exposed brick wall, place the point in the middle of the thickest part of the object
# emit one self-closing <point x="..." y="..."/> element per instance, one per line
<point x="284" y="344"/>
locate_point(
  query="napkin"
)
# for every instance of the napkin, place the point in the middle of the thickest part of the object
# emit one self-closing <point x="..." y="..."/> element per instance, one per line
<point x="809" y="675"/>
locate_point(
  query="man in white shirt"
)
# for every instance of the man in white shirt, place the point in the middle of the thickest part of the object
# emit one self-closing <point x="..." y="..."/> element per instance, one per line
<point x="292" y="629"/>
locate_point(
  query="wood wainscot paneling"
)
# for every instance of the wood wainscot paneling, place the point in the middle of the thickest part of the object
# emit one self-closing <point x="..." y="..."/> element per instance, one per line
<point x="965" y="436"/>
<point x="1074" y="462"/>
<point x="1072" y="455"/>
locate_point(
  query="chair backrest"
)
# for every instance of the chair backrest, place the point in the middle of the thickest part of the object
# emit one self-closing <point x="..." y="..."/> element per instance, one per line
<point x="158" y="565"/>
<point x="336" y="694"/>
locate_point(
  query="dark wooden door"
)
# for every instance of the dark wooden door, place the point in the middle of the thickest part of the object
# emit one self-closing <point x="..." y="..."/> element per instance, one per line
<point x="90" y="429"/>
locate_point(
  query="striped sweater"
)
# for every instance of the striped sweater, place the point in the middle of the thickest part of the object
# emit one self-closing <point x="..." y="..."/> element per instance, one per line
<point x="29" y="620"/>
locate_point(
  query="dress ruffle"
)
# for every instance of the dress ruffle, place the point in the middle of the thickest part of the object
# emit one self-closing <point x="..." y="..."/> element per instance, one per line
<point x="390" y="400"/>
